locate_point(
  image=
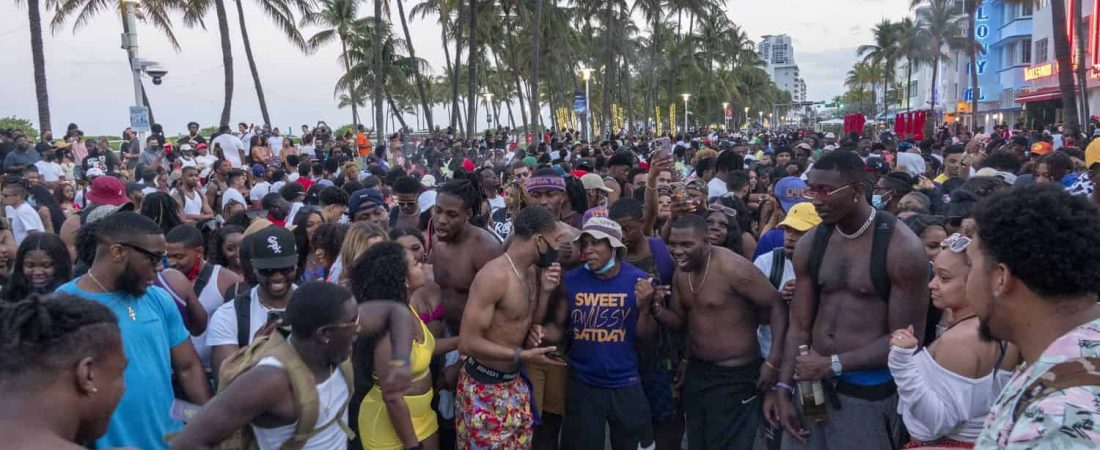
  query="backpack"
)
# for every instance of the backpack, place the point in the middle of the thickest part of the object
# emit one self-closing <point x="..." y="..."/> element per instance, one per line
<point x="883" y="230"/>
<point x="302" y="384"/>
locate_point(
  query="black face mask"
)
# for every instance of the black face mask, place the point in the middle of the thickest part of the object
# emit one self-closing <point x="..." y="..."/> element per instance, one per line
<point x="548" y="258"/>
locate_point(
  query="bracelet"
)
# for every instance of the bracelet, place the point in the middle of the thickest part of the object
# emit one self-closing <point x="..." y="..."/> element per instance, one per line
<point x="769" y="364"/>
<point x="785" y="387"/>
<point x="515" y="356"/>
<point x="398" y="362"/>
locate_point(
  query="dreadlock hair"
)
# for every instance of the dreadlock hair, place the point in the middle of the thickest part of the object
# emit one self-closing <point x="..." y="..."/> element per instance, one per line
<point x="163" y="209"/>
<point x="578" y="197"/>
<point x="468" y="189"/>
<point x="40" y="337"/>
<point x="19" y="286"/>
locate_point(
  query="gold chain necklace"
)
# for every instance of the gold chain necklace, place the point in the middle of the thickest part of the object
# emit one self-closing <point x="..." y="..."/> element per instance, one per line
<point x="691" y="284"/>
<point x="129" y="307"/>
<point x="526" y="286"/>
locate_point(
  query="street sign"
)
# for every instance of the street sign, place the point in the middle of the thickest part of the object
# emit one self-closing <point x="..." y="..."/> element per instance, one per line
<point x="579" y="105"/>
<point x="139" y="118"/>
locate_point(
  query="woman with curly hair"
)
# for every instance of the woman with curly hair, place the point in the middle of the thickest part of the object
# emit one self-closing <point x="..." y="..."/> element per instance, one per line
<point x="306" y="223"/>
<point x="42" y="263"/>
<point x="391" y="419"/>
<point x="324" y="249"/>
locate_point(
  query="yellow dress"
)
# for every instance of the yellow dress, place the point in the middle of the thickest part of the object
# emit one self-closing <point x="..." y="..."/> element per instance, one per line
<point x="375" y="430"/>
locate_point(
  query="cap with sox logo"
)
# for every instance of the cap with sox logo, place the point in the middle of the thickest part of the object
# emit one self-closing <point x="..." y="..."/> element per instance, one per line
<point x="273" y="248"/>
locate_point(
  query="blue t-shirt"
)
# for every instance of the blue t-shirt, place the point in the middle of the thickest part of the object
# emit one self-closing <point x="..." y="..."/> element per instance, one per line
<point x="141" y="419"/>
<point x="603" y="320"/>
<point x="771" y="240"/>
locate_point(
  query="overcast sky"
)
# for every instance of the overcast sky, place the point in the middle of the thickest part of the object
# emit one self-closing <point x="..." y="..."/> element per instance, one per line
<point x="89" y="82"/>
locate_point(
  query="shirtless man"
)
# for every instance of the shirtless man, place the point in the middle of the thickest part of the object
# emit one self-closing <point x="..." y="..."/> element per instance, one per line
<point x="725" y="374"/>
<point x="493" y="404"/>
<point x="844" y="316"/>
<point x="457" y="249"/>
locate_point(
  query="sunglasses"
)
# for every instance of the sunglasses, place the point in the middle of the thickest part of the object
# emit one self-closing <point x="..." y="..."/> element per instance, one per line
<point x="819" y="193"/>
<point x="354" y="324"/>
<point x="272" y="272"/>
<point x="715" y="207"/>
<point x="156" y="257"/>
<point x="957" y="243"/>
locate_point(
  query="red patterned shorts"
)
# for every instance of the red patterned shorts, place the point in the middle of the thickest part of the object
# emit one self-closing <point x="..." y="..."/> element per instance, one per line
<point x="493" y="416"/>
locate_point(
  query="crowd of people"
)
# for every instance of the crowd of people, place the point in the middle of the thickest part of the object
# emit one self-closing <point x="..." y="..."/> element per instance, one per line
<point x="253" y="290"/>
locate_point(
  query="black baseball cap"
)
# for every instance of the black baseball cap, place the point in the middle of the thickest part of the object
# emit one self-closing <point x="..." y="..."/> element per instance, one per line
<point x="363" y="199"/>
<point x="273" y="248"/>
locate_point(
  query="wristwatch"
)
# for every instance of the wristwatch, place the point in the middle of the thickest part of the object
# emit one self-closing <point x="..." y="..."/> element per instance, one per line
<point x="835" y="365"/>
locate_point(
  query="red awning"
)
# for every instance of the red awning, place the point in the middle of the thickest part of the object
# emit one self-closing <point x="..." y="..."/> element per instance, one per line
<point x="1039" y="95"/>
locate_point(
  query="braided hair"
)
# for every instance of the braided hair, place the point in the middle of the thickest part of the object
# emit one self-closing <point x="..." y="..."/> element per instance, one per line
<point x="468" y="188"/>
<point x="40" y="336"/>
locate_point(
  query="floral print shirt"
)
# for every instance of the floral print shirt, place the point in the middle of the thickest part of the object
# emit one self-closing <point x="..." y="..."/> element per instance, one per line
<point x="1065" y="419"/>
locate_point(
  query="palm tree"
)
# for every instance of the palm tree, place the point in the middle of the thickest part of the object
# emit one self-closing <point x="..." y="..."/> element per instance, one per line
<point x="471" y="69"/>
<point x="193" y="15"/>
<point x="376" y="89"/>
<point x="914" y="51"/>
<point x="1065" y="63"/>
<point x="279" y="11"/>
<point x="884" y="52"/>
<point x="340" y="20"/>
<point x="416" y="70"/>
<point x="38" y="59"/>
<point x="860" y="75"/>
<point x="942" y="28"/>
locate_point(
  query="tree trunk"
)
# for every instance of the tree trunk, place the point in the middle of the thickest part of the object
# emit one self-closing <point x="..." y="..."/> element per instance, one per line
<point x="227" y="60"/>
<point x="397" y="113"/>
<point x="885" y="92"/>
<point x="609" y="67"/>
<point x="935" y="81"/>
<point x="457" y="28"/>
<point x="536" y="61"/>
<point x="471" y="71"/>
<point x="1082" y="66"/>
<point x="908" y="85"/>
<point x="514" y="66"/>
<point x="447" y="60"/>
<point x="38" y="57"/>
<point x="252" y="65"/>
<point x="379" y="76"/>
<point x="351" y="86"/>
<point x="1065" y="67"/>
<point x="416" y="67"/>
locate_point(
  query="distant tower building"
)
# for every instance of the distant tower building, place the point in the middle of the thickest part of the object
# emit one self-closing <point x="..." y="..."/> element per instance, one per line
<point x="778" y="55"/>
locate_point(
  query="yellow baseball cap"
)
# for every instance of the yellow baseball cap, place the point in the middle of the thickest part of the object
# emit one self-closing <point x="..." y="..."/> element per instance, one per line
<point x="801" y="217"/>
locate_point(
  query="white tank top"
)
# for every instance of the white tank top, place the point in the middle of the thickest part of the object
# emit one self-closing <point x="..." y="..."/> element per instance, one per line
<point x="210" y="299"/>
<point x="331" y="394"/>
<point x="191" y="205"/>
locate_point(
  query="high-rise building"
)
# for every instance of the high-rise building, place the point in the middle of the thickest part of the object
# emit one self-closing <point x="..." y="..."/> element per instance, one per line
<point x="778" y="55"/>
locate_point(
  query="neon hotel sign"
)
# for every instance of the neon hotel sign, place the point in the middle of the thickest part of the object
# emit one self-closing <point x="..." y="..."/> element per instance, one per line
<point x="1050" y="69"/>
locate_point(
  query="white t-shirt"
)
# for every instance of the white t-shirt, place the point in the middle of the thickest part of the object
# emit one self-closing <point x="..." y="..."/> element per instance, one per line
<point x="275" y="143"/>
<point x="233" y="194"/>
<point x="222" y="328"/>
<point x="51" y="171"/>
<point x="496" y="203"/>
<point x="24" y="219"/>
<point x="764" y="263"/>
<point x="263" y="188"/>
<point x="716" y="188"/>
<point x="230" y="146"/>
<point x="331" y="393"/>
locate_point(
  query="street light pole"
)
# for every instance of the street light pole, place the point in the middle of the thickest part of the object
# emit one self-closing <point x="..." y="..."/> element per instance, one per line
<point x="489" y="110"/>
<point x="746" y="117"/>
<point x="725" y="118"/>
<point x="686" y="97"/>
<point x="587" y="74"/>
<point x="130" y="43"/>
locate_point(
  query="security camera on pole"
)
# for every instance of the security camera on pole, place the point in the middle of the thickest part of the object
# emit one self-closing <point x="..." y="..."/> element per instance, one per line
<point x="139" y="114"/>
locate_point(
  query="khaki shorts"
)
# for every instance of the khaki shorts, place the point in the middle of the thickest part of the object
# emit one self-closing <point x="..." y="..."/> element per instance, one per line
<point x="548" y="383"/>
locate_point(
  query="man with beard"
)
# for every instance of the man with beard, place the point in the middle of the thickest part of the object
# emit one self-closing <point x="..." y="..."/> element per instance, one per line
<point x="458" y="250"/>
<point x="325" y="321"/>
<point x="1033" y="282"/>
<point x="725" y="375"/>
<point x="618" y="167"/>
<point x="193" y="206"/>
<point x="22" y="156"/>
<point x="493" y="402"/>
<point x="844" y="307"/>
<point x="274" y="258"/>
<point x="187" y="253"/>
<point x="128" y="256"/>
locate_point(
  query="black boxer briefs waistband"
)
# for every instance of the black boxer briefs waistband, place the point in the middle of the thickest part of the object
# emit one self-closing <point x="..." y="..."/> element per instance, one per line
<point x="488" y="375"/>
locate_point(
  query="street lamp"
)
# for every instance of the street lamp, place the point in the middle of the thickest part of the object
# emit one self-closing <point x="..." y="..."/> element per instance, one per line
<point x="725" y="118"/>
<point x="771" y="120"/>
<point x="760" y="118"/>
<point x="686" y="97"/>
<point x="586" y="73"/>
<point x="746" y="117"/>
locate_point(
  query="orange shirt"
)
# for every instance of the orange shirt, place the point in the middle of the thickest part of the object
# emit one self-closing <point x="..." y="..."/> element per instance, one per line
<point x="363" y="143"/>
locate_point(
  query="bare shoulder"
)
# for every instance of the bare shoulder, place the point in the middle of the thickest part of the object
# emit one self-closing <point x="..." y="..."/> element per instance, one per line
<point x="731" y="265"/>
<point x="493" y="273"/>
<point x="962" y="352"/>
<point x="485" y="240"/>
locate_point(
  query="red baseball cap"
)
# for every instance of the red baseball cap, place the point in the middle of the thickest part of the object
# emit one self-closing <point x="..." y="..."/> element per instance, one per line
<point x="107" y="190"/>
